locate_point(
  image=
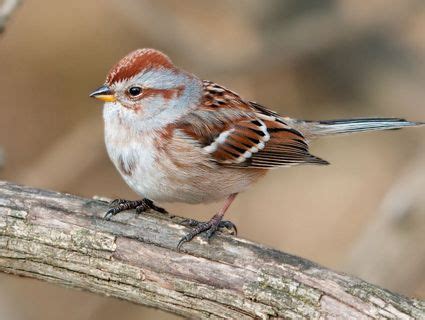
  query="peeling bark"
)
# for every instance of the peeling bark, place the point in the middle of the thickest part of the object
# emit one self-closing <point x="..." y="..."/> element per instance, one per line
<point x="63" y="239"/>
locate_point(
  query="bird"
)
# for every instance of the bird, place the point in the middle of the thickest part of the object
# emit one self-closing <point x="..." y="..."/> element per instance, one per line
<point x="176" y="138"/>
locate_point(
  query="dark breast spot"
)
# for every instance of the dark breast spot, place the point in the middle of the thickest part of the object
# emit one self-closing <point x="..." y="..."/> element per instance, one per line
<point x="126" y="166"/>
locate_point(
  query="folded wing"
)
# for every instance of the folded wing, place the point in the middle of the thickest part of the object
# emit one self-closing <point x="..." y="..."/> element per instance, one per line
<point x="244" y="134"/>
<point x="261" y="143"/>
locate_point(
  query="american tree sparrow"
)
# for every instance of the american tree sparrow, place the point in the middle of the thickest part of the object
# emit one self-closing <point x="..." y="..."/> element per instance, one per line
<point x="176" y="138"/>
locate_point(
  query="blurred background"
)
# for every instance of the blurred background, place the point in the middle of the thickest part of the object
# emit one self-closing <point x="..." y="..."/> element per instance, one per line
<point x="364" y="214"/>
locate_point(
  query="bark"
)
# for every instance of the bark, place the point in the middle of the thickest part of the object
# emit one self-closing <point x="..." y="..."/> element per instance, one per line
<point x="63" y="239"/>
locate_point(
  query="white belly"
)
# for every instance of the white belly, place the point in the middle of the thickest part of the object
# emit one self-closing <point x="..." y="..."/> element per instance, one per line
<point x="136" y="162"/>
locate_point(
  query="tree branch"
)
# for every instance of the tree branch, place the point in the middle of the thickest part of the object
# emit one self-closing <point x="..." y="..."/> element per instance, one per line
<point x="6" y="10"/>
<point x="63" y="239"/>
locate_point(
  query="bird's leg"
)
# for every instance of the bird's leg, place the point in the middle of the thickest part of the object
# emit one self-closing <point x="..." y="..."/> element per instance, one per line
<point x="143" y="205"/>
<point x="211" y="226"/>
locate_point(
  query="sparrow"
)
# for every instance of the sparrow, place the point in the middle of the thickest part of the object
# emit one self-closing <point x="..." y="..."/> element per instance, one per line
<point x="176" y="138"/>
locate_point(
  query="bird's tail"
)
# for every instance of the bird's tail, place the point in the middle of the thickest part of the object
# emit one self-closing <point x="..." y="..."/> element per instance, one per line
<point x="341" y="126"/>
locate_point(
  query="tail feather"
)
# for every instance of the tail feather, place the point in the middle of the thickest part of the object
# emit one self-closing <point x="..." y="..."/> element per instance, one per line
<point x="341" y="126"/>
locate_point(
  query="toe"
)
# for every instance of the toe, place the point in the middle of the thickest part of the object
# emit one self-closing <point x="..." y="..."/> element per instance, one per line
<point x="229" y="226"/>
<point x="116" y="202"/>
<point x="190" y="223"/>
<point x="160" y="210"/>
<point x="152" y="206"/>
<point x="210" y="232"/>
<point x="142" y="208"/>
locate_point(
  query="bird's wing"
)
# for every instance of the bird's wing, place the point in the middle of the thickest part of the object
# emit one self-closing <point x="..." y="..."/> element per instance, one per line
<point x="244" y="134"/>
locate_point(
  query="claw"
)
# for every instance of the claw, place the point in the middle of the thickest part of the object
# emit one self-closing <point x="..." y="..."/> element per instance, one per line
<point x="109" y="214"/>
<point x="182" y="241"/>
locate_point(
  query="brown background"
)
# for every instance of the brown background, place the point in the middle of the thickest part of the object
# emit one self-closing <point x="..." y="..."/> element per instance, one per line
<point x="305" y="59"/>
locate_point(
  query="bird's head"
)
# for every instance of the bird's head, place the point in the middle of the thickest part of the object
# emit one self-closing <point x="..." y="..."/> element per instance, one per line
<point x="145" y="85"/>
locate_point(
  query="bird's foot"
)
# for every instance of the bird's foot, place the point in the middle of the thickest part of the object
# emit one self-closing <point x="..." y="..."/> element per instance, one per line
<point x="208" y="228"/>
<point x="222" y="224"/>
<point x="119" y="205"/>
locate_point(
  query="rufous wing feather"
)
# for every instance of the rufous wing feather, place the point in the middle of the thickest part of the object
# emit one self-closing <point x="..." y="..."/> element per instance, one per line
<point x="244" y="134"/>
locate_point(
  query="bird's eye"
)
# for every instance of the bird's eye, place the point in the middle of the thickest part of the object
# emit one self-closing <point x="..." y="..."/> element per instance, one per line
<point x="135" y="91"/>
